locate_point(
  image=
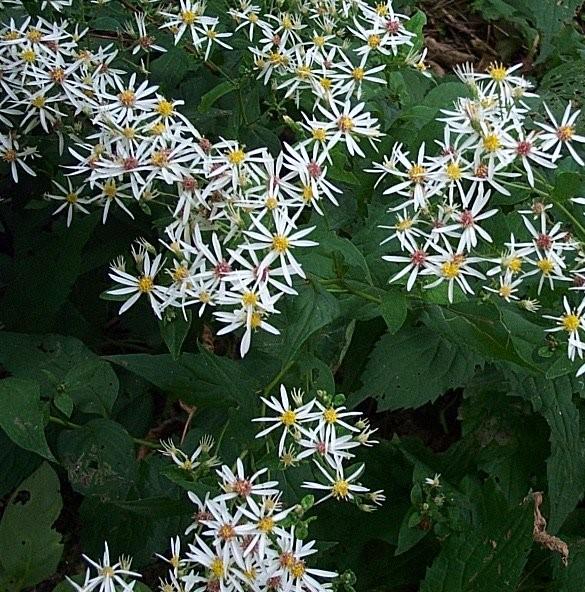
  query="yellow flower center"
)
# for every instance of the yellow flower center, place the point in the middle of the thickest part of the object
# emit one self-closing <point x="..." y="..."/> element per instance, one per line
<point x="159" y="158"/>
<point x="107" y="571"/>
<point x="110" y="189"/>
<point x="165" y="108"/>
<point x="158" y="129"/>
<point x="271" y="202"/>
<point x="226" y="532"/>
<point x="127" y="97"/>
<point x="129" y="132"/>
<point x="453" y="171"/>
<point x="404" y="224"/>
<point x="571" y="322"/>
<point x="255" y="320"/>
<point x="358" y="73"/>
<point x="38" y="102"/>
<point x="325" y="83"/>
<point x="265" y="524"/>
<point x="216" y="567"/>
<point x="71" y="197"/>
<point x="319" y="134"/>
<point x="450" y="269"/>
<point x="236" y="156"/>
<point x="505" y="291"/>
<point x="319" y="40"/>
<point x="307" y="193"/>
<point x="417" y="173"/>
<point x="180" y="273"/>
<point x="249" y="298"/>
<point x="11" y="36"/>
<point x="288" y="418"/>
<point x="514" y="264"/>
<point x="498" y="72"/>
<point x="381" y="9"/>
<point x="280" y="243"/>
<point x="145" y="284"/>
<point x="174" y="561"/>
<point x="204" y="297"/>
<point x="189" y="17"/>
<point x="345" y="123"/>
<point x="28" y="55"/>
<point x="565" y="133"/>
<point x="374" y="41"/>
<point x="546" y="266"/>
<point x="253" y="18"/>
<point x="330" y="415"/>
<point x="340" y="489"/>
<point x="297" y="570"/>
<point x="303" y="72"/>
<point x="491" y="143"/>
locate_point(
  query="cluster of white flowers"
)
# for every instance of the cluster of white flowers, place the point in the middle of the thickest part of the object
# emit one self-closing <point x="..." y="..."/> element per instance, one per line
<point x="322" y="430"/>
<point x="244" y="538"/>
<point x="488" y="146"/>
<point x="235" y="213"/>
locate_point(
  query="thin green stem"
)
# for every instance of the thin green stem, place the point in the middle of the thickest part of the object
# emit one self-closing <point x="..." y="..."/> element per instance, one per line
<point x="278" y="377"/>
<point x="75" y="426"/>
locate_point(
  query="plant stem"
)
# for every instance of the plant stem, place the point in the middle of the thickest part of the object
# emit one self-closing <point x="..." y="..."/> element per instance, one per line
<point x="76" y="426"/>
<point x="277" y="378"/>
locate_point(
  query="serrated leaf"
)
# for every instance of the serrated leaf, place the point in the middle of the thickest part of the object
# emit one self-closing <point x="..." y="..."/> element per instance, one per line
<point x="566" y="463"/>
<point x="488" y="556"/>
<point x="23" y="416"/>
<point x="174" y="332"/>
<point x="394" y="310"/>
<point x="201" y="379"/>
<point x="31" y="548"/>
<point x="414" y="367"/>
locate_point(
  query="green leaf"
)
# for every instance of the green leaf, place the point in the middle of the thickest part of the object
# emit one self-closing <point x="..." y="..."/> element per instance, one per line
<point x="394" y="309"/>
<point x="210" y="97"/>
<point x="92" y="386"/>
<point x="566" y="463"/>
<point x="99" y="459"/>
<point x="413" y="367"/>
<point x="200" y="379"/>
<point x="23" y="416"/>
<point x="61" y="365"/>
<point x="31" y="548"/>
<point x="174" y="332"/>
<point x="169" y="69"/>
<point x="54" y="260"/>
<point x="300" y="318"/>
<point x="489" y="555"/>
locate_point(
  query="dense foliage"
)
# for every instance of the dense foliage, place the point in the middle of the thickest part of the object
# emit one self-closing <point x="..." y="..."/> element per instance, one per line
<point x="287" y="302"/>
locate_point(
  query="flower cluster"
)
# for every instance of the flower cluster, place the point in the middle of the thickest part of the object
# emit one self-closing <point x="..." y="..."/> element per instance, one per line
<point x="489" y="148"/>
<point x="323" y="430"/>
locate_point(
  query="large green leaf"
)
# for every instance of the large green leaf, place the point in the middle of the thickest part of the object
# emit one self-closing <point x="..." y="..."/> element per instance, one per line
<point x="23" y="415"/>
<point x="99" y="459"/>
<point x="489" y="555"/>
<point x="566" y="463"/>
<point x="31" y="548"/>
<point x="61" y="365"/>
<point x="413" y="367"/>
<point x="300" y="318"/>
<point x="54" y="261"/>
<point x="201" y="379"/>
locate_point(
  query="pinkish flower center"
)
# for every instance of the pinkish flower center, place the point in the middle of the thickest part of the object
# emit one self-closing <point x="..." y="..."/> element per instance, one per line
<point x="523" y="148"/>
<point x="466" y="218"/>
<point x="544" y="241"/>
<point x="418" y="257"/>
<point x="314" y="169"/>
<point x="242" y="487"/>
<point x="392" y="26"/>
<point x="222" y="268"/>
